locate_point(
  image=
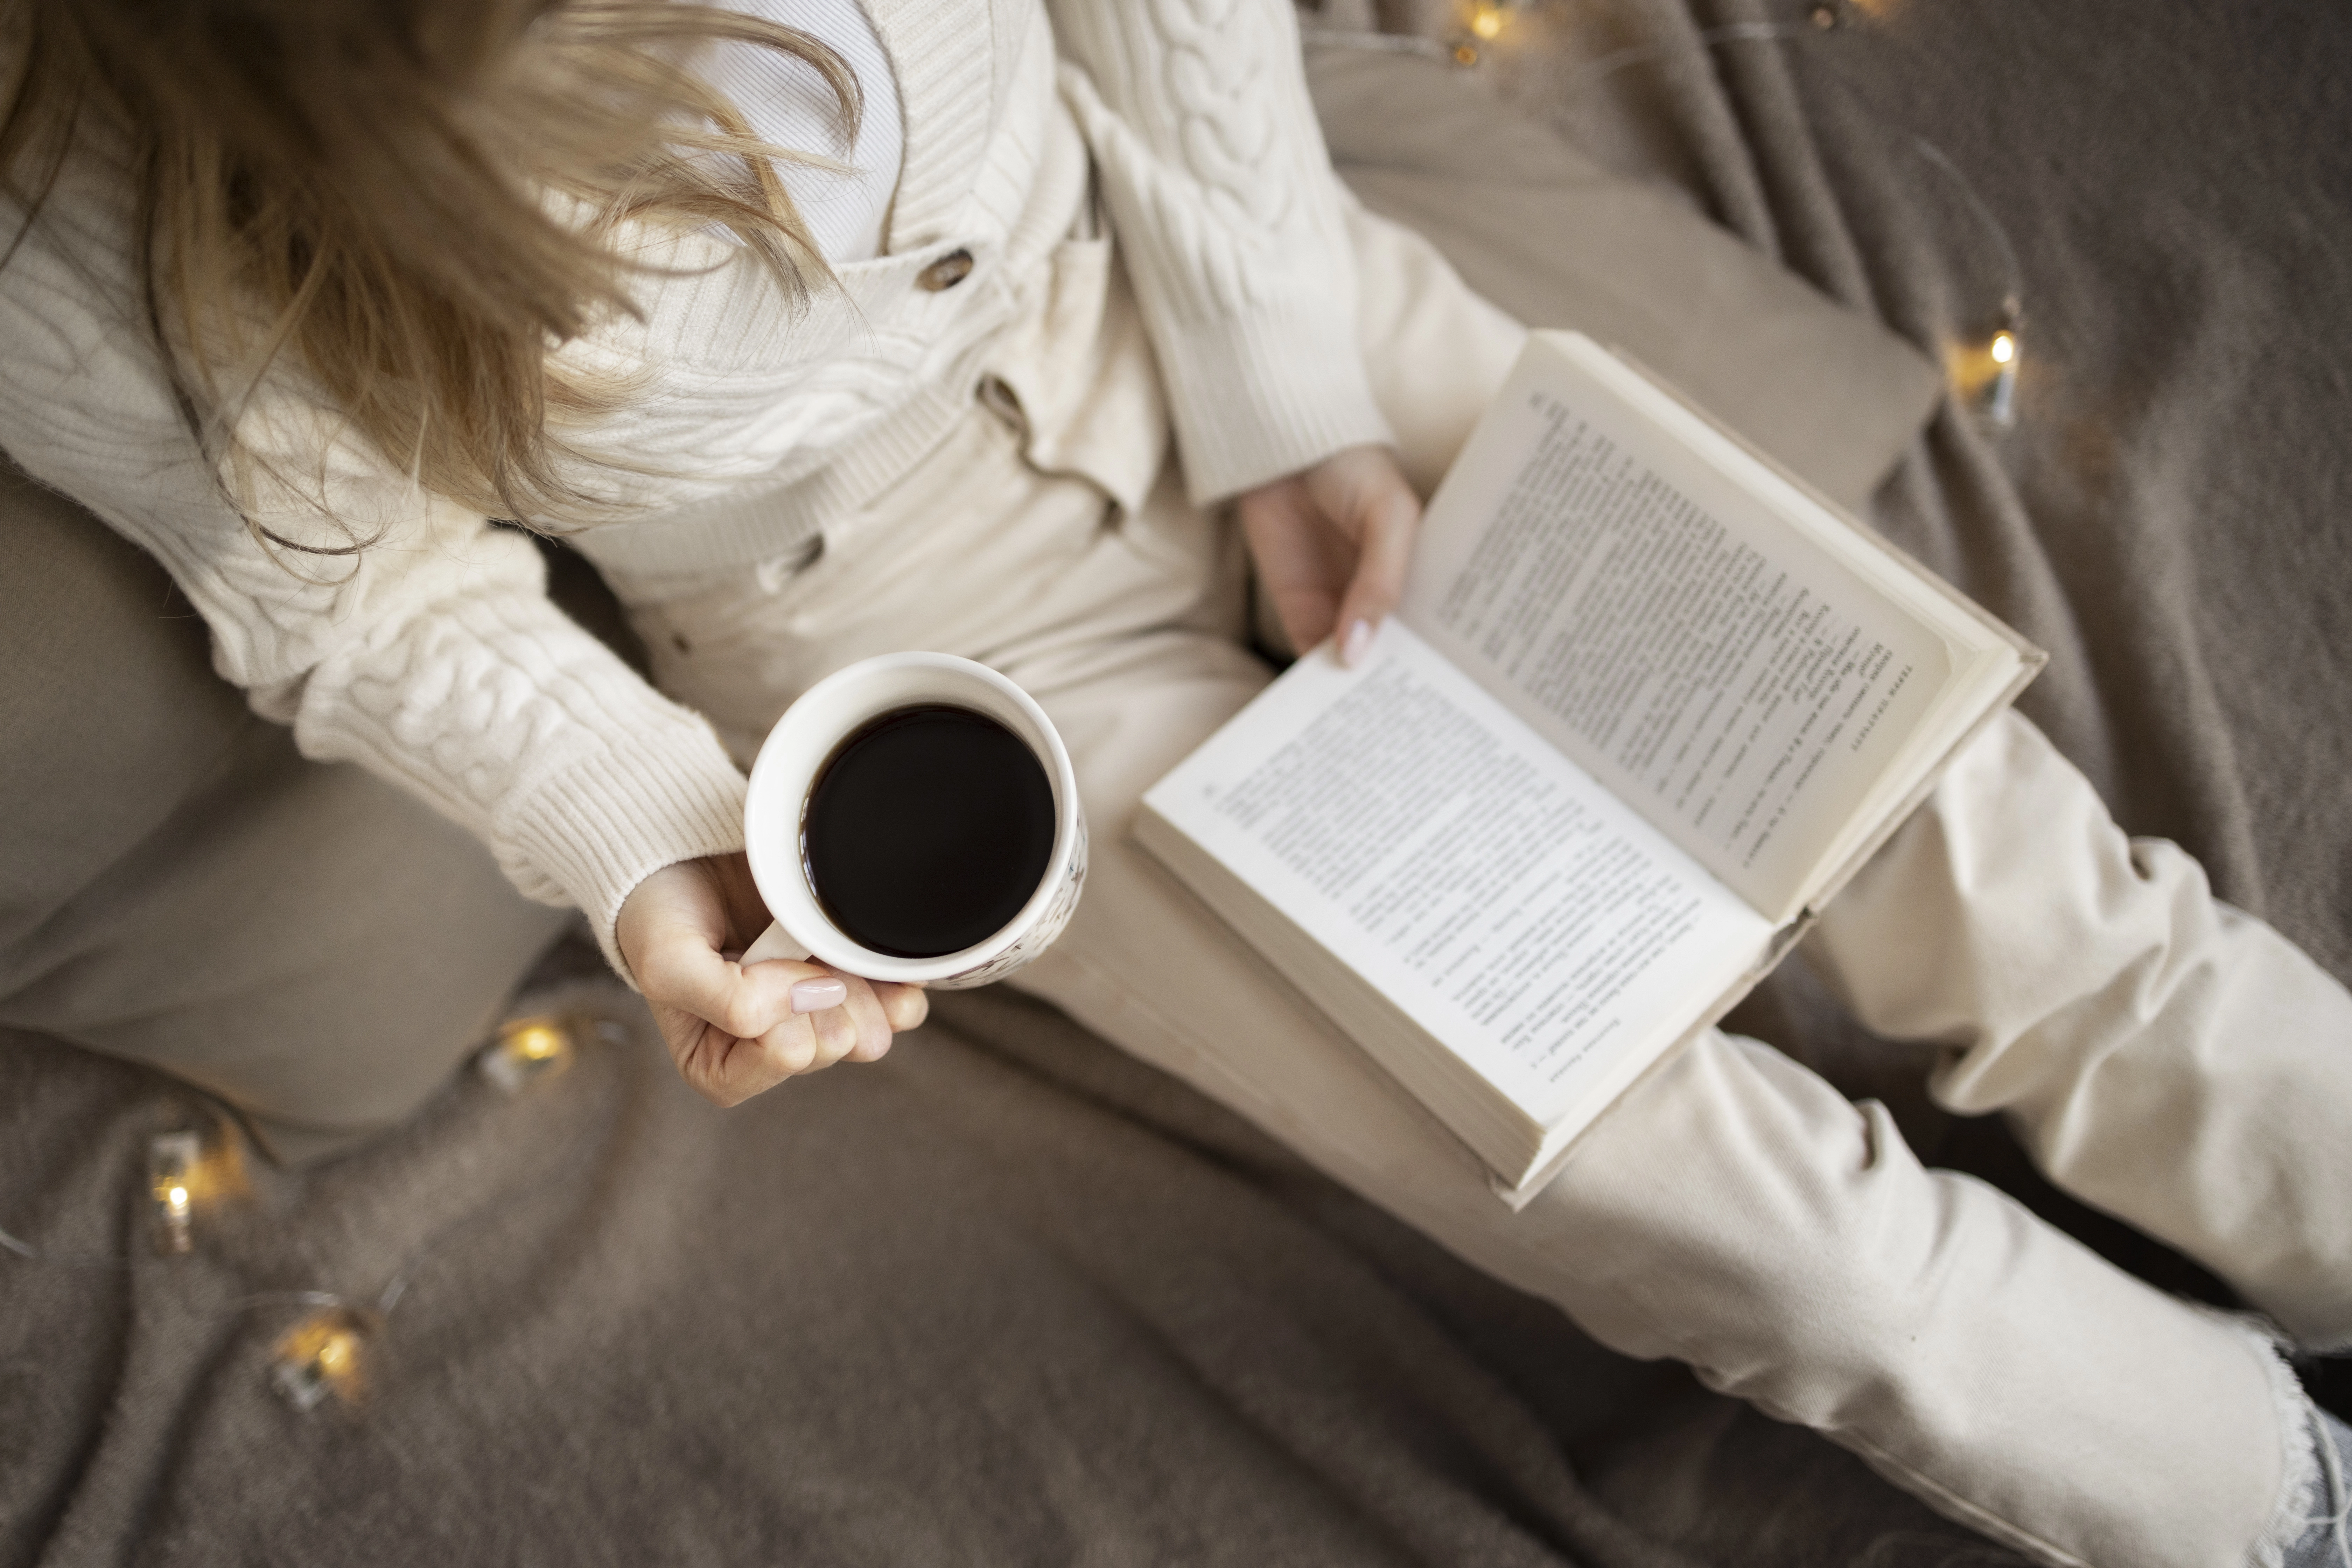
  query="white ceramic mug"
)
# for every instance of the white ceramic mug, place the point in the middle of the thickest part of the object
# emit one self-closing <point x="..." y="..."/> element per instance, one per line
<point x="796" y="752"/>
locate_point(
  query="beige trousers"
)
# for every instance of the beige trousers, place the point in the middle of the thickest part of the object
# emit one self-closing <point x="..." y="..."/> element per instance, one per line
<point x="2169" y="1059"/>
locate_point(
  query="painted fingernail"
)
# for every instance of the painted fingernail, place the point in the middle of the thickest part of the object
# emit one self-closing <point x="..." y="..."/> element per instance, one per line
<point x="1356" y="644"/>
<point x="816" y="996"/>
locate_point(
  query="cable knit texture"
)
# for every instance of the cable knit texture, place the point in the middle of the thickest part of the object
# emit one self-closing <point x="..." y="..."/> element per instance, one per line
<point x="1222" y="190"/>
<point x="433" y="657"/>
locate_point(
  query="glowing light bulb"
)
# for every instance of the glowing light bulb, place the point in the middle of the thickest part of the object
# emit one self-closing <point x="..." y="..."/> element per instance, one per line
<point x="174" y="1166"/>
<point x="526" y="1050"/>
<point x="2001" y="390"/>
<point x="322" y="1356"/>
<point x="1486" y="22"/>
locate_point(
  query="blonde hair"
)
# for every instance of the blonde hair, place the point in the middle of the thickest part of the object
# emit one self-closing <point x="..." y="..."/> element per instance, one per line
<point x="394" y="189"/>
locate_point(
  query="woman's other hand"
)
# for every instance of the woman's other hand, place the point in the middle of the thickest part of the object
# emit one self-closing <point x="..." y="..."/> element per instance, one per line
<point x="1332" y="544"/>
<point x="735" y="1031"/>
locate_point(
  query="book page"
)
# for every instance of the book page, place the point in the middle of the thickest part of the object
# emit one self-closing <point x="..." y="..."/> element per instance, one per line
<point x="1721" y="672"/>
<point x="1409" y="822"/>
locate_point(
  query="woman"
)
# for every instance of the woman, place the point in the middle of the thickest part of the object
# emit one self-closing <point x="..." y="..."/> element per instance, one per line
<point x="804" y="323"/>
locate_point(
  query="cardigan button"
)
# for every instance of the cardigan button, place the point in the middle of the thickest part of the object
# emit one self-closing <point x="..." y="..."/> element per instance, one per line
<point x="946" y="272"/>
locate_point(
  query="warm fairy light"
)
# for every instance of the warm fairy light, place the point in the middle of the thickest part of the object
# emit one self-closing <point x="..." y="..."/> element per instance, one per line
<point x="322" y="1355"/>
<point x="1482" y="22"/>
<point x="540" y="1043"/>
<point x="2001" y="396"/>
<point x="174" y="1173"/>
<point x="527" y="1049"/>
<point x="1984" y="373"/>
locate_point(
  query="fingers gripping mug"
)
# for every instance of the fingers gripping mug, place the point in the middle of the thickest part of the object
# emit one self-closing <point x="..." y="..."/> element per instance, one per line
<point x="913" y="817"/>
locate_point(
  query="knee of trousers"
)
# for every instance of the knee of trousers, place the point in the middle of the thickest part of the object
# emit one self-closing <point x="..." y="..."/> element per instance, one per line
<point x="2166" y="1058"/>
<point x="2008" y="896"/>
<point x="1737" y="1212"/>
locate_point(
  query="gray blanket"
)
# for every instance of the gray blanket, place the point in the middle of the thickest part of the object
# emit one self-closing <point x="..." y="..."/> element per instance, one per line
<point x="1009" y="1298"/>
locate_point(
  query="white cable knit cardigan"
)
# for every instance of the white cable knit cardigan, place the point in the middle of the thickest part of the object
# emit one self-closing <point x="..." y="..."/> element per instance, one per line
<point x="433" y="658"/>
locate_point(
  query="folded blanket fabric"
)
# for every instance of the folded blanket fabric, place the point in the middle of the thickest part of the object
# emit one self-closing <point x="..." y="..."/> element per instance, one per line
<point x="1003" y="1297"/>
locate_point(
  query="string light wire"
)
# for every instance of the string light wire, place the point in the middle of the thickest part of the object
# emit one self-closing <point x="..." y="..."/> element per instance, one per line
<point x="1991" y="372"/>
<point x="2012" y="310"/>
<point x="26" y="1250"/>
<point x="356" y="1318"/>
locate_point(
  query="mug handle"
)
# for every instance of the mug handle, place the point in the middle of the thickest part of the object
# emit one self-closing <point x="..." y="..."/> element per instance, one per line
<point x="774" y="942"/>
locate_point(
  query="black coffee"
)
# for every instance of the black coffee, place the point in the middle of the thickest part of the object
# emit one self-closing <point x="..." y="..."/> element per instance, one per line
<point x="926" y="830"/>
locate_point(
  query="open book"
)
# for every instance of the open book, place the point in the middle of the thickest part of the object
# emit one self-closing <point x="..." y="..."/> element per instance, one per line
<point x="1647" y="704"/>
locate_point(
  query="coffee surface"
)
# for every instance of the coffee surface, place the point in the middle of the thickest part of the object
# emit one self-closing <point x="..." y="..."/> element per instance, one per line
<point x="926" y="830"/>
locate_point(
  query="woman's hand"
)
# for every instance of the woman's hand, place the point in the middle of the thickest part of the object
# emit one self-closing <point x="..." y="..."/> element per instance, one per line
<point x="1332" y="544"/>
<point x="735" y="1031"/>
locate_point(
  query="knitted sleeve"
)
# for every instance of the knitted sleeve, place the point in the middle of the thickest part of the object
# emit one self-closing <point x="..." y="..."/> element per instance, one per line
<point x="432" y="656"/>
<point x="1230" y="220"/>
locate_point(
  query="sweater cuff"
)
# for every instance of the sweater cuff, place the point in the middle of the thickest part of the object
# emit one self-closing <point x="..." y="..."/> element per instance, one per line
<point x="1267" y="393"/>
<point x="663" y="790"/>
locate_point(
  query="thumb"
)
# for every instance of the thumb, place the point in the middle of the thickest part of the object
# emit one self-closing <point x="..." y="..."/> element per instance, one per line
<point x="678" y="966"/>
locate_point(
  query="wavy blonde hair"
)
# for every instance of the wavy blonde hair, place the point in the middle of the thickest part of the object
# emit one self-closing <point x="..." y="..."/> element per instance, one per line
<point x="375" y="187"/>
